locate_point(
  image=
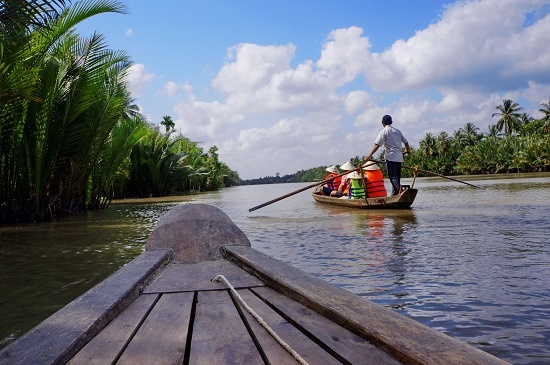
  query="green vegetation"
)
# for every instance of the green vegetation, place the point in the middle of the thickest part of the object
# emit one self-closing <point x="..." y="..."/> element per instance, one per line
<point x="516" y="143"/>
<point x="313" y="174"/>
<point x="70" y="136"/>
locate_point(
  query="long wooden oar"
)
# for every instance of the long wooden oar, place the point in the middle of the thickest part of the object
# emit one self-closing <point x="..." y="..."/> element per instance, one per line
<point x="433" y="173"/>
<point x="299" y="191"/>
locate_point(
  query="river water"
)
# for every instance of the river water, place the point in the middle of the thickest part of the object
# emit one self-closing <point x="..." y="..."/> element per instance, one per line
<point x="472" y="263"/>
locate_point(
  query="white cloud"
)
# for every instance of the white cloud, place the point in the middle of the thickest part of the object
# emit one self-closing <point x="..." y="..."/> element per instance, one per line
<point x="479" y="45"/>
<point x="537" y="94"/>
<point x="252" y="66"/>
<point x="206" y="121"/>
<point x="358" y="99"/>
<point x="171" y="89"/>
<point x="344" y="54"/>
<point x="138" y="79"/>
<point x="287" y="146"/>
<point x="275" y="117"/>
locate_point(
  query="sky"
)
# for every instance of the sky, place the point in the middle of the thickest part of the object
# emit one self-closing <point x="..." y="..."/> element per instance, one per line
<point x="283" y="86"/>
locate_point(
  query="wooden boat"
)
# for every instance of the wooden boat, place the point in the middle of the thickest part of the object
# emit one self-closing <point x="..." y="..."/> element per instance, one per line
<point x="164" y="308"/>
<point x="401" y="201"/>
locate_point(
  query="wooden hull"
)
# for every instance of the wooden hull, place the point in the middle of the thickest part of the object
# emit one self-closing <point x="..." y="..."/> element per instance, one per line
<point x="401" y="201"/>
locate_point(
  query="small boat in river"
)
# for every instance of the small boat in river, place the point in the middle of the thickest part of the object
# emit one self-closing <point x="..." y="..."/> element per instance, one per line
<point x="400" y="201"/>
<point x="200" y="294"/>
<point x="367" y="191"/>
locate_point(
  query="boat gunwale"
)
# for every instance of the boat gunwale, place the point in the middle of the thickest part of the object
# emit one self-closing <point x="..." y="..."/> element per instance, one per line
<point x="403" y="338"/>
<point x="401" y="201"/>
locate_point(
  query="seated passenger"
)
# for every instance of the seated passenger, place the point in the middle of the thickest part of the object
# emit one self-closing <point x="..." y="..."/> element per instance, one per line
<point x="356" y="189"/>
<point x="333" y="184"/>
<point x="343" y="188"/>
<point x="375" y="180"/>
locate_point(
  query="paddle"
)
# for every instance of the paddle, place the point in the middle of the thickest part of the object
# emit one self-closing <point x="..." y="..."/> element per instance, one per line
<point x="298" y="191"/>
<point x="433" y="173"/>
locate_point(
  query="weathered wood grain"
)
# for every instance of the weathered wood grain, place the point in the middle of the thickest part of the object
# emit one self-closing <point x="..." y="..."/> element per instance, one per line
<point x="195" y="232"/>
<point x="161" y="339"/>
<point x="58" y="338"/>
<point x="109" y="343"/>
<point x="407" y="340"/>
<point x="276" y="354"/>
<point x="219" y="335"/>
<point x="349" y="347"/>
<point x="191" y="277"/>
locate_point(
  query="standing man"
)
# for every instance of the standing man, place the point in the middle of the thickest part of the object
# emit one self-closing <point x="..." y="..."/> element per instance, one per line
<point x="391" y="138"/>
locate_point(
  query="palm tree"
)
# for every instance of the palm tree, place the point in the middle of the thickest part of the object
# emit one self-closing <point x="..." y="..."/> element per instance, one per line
<point x="470" y="134"/>
<point x="458" y="140"/>
<point x="167" y="123"/>
<point x="509" y="116"/>
<point x="54" y="123"/>
<point x="493" y="131"/>
<point x="124" y="136"/>
<point x="215" y="178"/>
<point x="158" y="165"/>
<point x="428" y="145"/>
<point x="546" y="119"/>
<point x="16" y="15"/>
<point x="132" y="109"/>
<point x="18" y="20"/>
<point x="443" y="143"/>
<point x="525" y="118"/>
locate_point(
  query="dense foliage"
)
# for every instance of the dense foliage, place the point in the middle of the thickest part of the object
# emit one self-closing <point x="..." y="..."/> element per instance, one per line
<point x="70" y="137"/>
<point x="516" y="143"/>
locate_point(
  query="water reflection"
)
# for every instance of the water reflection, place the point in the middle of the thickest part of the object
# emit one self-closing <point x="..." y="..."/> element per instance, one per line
<point x="46" y="265"/>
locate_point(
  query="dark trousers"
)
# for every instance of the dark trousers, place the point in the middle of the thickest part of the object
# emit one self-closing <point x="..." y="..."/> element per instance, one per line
<point x="394" y="173"/>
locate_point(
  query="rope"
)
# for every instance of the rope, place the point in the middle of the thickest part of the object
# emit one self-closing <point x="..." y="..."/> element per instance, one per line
<point x="260" y="320"/>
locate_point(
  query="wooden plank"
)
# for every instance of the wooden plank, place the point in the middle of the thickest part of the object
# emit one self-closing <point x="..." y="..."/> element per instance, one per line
<point x="109" y="343"/>
<point x="195" y="277"/>
<point x="349" y="347"/>
<point x="58" y="338"/>
<point x="275" y="353"/>
<point x="219" y="335"/>
<point x="407" y="340"/>
<point x="162" y="337"/>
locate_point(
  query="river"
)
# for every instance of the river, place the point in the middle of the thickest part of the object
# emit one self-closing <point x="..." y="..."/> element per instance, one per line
<point x="472" y="263"/>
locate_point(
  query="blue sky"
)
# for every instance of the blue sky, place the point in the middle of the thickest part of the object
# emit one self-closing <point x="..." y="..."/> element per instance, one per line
<point x="282" y="86"/>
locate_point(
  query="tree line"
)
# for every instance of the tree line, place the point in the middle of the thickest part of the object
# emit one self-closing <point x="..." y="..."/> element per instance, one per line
<point x="71" y="136"/>
<point x="515" y="143"/>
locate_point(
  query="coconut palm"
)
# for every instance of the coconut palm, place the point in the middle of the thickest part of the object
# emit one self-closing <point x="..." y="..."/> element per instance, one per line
<point x="428" y="145"/>
<point x="525" y="118"/>
<point x="470" y="134"/>
<point x="168" y="123"/>
<point x="443" y="143"/>
<point x="510" y="116"/>
<point x="545" y="109"/>
<point x="493" y="131"/>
